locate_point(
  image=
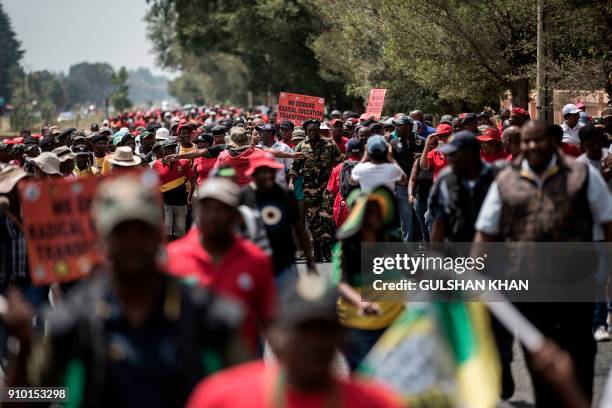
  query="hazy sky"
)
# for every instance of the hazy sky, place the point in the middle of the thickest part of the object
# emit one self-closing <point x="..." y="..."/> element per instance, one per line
<point x="58" y="33"/>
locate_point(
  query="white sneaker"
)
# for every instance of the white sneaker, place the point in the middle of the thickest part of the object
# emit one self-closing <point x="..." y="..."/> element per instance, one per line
<point x="601" y="334"/>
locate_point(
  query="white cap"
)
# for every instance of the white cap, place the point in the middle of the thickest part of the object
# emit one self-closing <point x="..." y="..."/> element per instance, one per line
<point x="162" y="134"/>
<point x="324" y="126"/>
<point x="220" y="189"/>
<point x="124" y="129"/>
<point x="570" y="108"/>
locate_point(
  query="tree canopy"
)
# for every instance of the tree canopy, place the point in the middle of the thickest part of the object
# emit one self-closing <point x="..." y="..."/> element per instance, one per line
<point x="10" y="55"/>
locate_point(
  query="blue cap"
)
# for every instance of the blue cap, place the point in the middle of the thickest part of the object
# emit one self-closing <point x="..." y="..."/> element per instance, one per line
<point x="377" y="144"/>
<point x="354" y="146"/>
<point x="266" y="127"/>
<point x="118" y="136"/>
<point x="461" y="140"/>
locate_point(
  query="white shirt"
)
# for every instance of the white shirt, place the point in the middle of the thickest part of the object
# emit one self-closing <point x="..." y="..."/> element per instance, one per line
<point x="570" y="135"/>
<point x="598" y="234"/>
<point x="282" y="147"/>
<point x="370" y="175"/>
<point x="598" y="195"/>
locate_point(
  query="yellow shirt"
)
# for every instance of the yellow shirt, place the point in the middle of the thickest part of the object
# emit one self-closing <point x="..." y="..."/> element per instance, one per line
<point x="82" y="173"/>
<point x="106" y="167"/>
<point x="96" y="169"/>
<point x="187" y="150"/>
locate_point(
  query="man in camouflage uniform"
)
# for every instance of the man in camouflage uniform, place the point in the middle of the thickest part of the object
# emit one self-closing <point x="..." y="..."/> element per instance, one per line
<point x="320" y="157"/>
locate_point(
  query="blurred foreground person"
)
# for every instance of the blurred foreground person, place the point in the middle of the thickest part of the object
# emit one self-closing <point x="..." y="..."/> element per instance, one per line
<point x="544" y="197"/>
<point x="214" y="255"/>
<point x="305" y="339"/>
<point x="130" y="335"/>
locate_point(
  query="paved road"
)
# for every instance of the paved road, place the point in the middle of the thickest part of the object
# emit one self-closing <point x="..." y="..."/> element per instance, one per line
<point x="523" y="396"/>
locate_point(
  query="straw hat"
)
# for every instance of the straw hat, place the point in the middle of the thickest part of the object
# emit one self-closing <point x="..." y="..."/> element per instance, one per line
<point x="124" y="156"/>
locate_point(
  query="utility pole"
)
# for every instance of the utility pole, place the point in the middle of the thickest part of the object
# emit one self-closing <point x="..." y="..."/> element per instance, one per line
<point x="540" y="80"/>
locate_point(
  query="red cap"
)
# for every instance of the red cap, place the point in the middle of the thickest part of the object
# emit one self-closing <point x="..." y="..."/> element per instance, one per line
<point x="334" y="121"/>
<point x="184" y="126"/>
<point x="364" y="117"/>
<point x="444" y="129"/>
<point x="262" y="160"/>
<point x="489" y="134"/>
<point x="579" y="104"/>
<point x="520" y="112"/>
<point x="18" y="140"/>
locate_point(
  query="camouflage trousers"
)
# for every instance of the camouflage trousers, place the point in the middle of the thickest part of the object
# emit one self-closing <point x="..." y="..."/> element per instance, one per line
<point x="319" y="214"/>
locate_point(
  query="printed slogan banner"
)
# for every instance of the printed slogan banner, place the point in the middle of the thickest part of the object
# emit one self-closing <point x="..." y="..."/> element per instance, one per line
<point x="376" y="102"/>
<point x="298" y="108"/>
<point x="61" y="238"/>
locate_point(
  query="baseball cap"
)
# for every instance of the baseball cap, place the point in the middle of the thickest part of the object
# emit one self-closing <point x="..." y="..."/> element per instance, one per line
<point x="171" y="142"/>
<point x="461" y="140"/>
<point x="48" y="162"/>
<point x="444" y="129"/>
<point x="570" y="109"/>
<point x="448" y="119"/>
<point x="220" y="189"/>
<point x="403" y="120"/>
<point x="218" y="130"/>
<point x="354" y="146"/>
<point x="266" y="127"/>
<point x="126" y="198"/>
<point x="490" y="133"/>
<point x="376" y="144"/>
<point x="579" y="104"/>
<point x="520" y="112"/>
<point x="467" y="117"/>
<point x="308" y="297"/>
<point x="324" y="126"/>
<point x="335" y="121"/>
<point x="118" y="136"/>
<point x="262" y="160"/>
<point x="162" y="134"/>
<point x="145" y="133"/>
<point x="298" y="134"/>
<point x="106" y="130"/>
<point x="286" y="125"/>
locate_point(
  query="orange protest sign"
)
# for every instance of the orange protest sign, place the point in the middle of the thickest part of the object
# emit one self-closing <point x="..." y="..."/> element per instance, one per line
<point x="376" y="102"/>
<point x="297" y="108"/>
<point x="62" y="242"/>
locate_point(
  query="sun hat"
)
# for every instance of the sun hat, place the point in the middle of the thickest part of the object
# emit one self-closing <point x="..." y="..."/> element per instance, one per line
<point x="124" y="156"/>
<point x="63" y="153"/>
<point x="48" y="162"/>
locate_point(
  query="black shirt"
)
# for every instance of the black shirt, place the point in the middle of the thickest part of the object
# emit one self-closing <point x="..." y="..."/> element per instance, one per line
<point x="279" y="211"/>
<point x="403" y="153"/>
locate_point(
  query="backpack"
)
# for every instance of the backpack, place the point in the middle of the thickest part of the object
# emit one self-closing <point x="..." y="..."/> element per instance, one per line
<point x="345" y="178"/>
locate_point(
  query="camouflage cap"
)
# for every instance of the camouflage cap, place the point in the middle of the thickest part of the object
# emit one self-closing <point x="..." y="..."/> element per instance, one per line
<point x="126" y="198"/>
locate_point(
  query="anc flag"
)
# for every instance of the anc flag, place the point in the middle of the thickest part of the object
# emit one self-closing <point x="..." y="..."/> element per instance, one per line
<point x="439" y="354"/>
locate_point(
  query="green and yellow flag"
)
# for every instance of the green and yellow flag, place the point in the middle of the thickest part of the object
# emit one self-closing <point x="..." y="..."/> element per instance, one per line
<point x="439" y="354"/>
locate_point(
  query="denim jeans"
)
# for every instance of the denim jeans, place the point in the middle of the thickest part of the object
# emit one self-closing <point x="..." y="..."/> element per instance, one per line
<point x="285" y="278"/>
<point x="602" y="308"/>
<point x="420" y="207"/>
<point x="405" y="212"/>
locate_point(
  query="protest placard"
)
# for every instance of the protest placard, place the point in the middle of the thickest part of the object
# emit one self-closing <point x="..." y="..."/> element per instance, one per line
<point x="376" y="102"/>
<point x="62" y="242"/>
<point x="297" y="108"/>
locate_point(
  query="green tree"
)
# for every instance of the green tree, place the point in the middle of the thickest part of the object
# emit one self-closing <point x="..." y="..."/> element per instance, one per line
<point x="22" y="115"/>
<point x="10" y="55"/>
<point x="268" y="40"/>
<point x="120" y="97"/>
<point x="49" y="93"/>
<point x="89" y="83"/>
<point x="465" y="52"/>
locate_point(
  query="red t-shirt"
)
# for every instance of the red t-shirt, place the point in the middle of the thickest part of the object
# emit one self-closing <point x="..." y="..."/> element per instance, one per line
<point x="240" y="163"/>
<point x="245" y="273"/>
<point x="436" y="161"/>
<point x="571" y="149"/>
<point x="341" y="144"/>
<point x="333" y="186"/>
<point x="254" y="385"/>
<point x="203" y="166"/>
<point x="169" y="172"/>
<point x="492" y="158"/>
